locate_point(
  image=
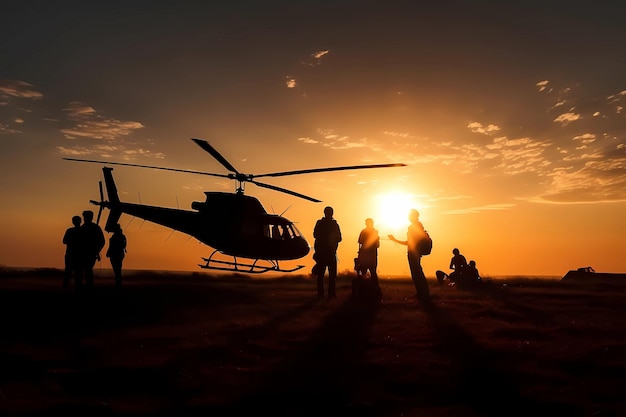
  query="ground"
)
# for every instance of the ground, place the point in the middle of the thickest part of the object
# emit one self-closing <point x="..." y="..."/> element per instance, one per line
<point x="197" y="344"/>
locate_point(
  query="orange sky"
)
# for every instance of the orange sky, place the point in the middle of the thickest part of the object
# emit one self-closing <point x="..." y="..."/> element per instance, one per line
<point x="510" y="119"/>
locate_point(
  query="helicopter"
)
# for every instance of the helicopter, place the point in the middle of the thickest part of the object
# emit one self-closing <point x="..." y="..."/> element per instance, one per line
<point x="243" y="235"/>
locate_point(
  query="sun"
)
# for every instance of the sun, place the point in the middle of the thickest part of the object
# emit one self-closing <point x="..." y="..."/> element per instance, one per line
<point x="393" y="210"/>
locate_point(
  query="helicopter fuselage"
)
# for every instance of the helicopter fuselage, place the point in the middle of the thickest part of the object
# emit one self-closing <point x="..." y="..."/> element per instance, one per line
<point x="234" y="224"/>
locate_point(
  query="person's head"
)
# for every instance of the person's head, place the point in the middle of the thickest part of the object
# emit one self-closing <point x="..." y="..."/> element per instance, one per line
<point x="472" y="264"/>
<point x="455" y="251"/>
<point x="414" y="216"/>
<point x="328" y="212"/>
<point x="76" y="220"/>
<point x="88" y="216"/>
<point x="369" y="222"/>
<point x="117" y="228"/>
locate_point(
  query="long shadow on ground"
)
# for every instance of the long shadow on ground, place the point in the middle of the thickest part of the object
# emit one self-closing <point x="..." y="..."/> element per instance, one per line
<point x="483" y="379"/>
<point x="321" y="378"/>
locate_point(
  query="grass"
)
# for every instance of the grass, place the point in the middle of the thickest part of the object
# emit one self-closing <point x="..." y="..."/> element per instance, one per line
<point x="198" y="344"/>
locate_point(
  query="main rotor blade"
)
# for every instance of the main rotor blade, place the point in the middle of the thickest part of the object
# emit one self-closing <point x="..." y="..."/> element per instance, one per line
<point x="284" y="190"/>
<point x="308" y="171"/>
<point x="150" y="166"/>
<point x="215" y="154"/>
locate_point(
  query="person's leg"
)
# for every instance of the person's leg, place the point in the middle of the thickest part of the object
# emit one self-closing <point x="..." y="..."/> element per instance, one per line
<point x="321" y="270"/>
<point x="67" y="276"/>
<point x="78" y="276"/>
<point x="332" y="278"/>
<point x="419" y="279"/>
<point x="116" y="264"/>
<point x="91" y="263"/>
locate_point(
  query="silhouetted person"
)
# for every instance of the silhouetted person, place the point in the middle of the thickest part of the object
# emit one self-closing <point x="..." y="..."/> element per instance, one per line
<point x="415" y="234"/>
<point x="471" y="277"/>
<point x="457" y="264"/>
<point x="369" y="242"/>
<point x="93" y="242"/>
<point x="73" y="259"/>
<point x="327" y="236"/>
<point x="116" y="253"/>
<point x="471" y="273"/>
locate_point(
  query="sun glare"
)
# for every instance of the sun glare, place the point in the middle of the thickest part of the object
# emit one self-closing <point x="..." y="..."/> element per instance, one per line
<point x="393" y="210"/>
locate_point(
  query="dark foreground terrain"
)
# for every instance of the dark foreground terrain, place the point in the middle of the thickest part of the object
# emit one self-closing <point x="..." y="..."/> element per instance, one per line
<point x="193" y="344"/>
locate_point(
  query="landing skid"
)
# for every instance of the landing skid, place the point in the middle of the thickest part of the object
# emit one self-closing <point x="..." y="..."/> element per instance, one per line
<point x="253" y="267"/>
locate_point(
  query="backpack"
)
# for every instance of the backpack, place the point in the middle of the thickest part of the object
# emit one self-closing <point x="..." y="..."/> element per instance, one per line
<point x="425" y="245"/>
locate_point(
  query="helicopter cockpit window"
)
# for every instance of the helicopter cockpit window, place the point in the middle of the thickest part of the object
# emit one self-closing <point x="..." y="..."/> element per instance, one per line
<point x="280" y="231"/>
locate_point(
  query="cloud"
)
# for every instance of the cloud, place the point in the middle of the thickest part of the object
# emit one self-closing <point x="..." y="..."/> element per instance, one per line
<point x="397" y="134"/>
<point x="566" y="118"/>
<point x="585" y="138"/>
<point x="18" y="89"/>
<point x="616" y="97"/>
<point x="542" y="85"/>
<point x="319" y="54"/>
<point x="477" y="127"/>
<point x="315" y="58"/>
<point x="600" y="178"/>
<point x="107" y="151"/>
<point x="488" y="207"/>
<point x="4" y="129"/>
<point x="308" y="140"/>
<point x="88" y="123"/>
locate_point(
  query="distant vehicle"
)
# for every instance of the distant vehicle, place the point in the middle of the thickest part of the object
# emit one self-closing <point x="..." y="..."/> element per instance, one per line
<point x="588" y="272"/>
<point x="233" y="224"/>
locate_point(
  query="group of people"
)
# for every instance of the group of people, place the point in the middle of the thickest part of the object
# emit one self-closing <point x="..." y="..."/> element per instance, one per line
<point x="327" y="235"/>
<point x="84" y="242"/>
<point x="463" y="274"/>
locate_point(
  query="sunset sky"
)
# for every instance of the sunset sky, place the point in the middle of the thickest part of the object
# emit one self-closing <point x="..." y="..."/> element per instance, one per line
<point x="511" y="119"/>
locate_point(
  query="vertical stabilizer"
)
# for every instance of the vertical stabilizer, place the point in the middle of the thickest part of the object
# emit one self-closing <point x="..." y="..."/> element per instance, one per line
<point x="114" y="200"/>
<point x="110" y="184"/>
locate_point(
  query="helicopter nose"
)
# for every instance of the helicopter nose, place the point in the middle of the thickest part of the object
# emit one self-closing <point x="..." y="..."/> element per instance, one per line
<point x="303" y="247"/>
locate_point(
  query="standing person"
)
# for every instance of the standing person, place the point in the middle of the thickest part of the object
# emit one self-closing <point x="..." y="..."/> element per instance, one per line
<point x="116" y="253"/>
<point x="369" y="242"/>
<point x="73" y="258"/>
<point x="416" y="234"/>
<point x="93" y="242"/>
<point x="327" y="236"/>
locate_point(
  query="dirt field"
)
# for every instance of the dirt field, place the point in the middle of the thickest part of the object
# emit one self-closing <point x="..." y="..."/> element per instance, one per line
<point x="194" y="344"/>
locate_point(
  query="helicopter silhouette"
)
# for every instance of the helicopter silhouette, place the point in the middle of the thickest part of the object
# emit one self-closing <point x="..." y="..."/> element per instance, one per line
<point x="243" y="235"/>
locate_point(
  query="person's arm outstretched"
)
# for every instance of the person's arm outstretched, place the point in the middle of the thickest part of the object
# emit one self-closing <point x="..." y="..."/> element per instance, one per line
<point x="402" y="242"/>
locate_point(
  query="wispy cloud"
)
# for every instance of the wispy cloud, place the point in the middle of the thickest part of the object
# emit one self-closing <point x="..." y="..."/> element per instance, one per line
<point x="88" y="123"/>
<point x="13" y="91"/>
<point x="290" y="82"/>
<point x="601" y="177"/>
<point x="4" y="129"/>
<point x="17" y="89"/>
<point x="107" y="151"/>
<point x="571" y="154"/>
<point x="478" y="209"/>
<point x="477" y="127"/>
<point x="566" y="118"/>
<point x="315" y="58"/>
<point x="542" y="85"/>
